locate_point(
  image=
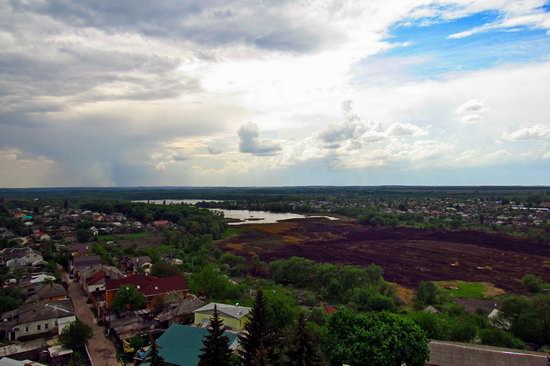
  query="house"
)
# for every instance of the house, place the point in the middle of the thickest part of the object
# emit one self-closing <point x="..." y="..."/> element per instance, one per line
<point x="161" y="223"/>
<point x="469" y="354"/>
<point x="48" y="292"/>
<point x="92" y="280"/>
<point x="21" y="257"/>
<point x="80" y="249"/>
<point x="6" y="361"/>
<point x="181" y="345"/>
<point x="26" y="350"/>
<point x="153" y="288"/>
<point x="81" y="262"/>
<point x="35" y="320"/>
<point x="180" y="312"/>
<point x="233" y="316"/>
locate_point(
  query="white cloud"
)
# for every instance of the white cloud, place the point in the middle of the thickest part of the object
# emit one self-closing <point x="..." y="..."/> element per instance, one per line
<point x="470" y="111"/>
<point x="535" y="132"/>
<point x="250" y="142"/>
<point x="405" y="129"/>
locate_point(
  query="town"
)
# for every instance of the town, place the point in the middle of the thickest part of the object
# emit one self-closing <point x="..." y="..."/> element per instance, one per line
<point x="96" y="282"/>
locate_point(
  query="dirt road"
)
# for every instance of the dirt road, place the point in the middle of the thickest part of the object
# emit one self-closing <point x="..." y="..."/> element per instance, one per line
<point x="101" y="349"/>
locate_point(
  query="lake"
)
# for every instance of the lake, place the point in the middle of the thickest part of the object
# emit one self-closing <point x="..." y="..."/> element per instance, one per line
<point x="244" y="216"/>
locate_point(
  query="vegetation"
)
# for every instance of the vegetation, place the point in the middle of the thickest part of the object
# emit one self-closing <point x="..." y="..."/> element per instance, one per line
<point x="302" y="346"/>
<point x="258" y="341"/>
<point x="374" y="339"/>
<point x="215" y="351"/>
<point x="76" y="334"/>
<point x="128" y="297"/>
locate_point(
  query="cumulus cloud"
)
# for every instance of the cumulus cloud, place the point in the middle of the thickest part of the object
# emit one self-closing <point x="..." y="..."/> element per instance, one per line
<point x="250" y="142"/>
<point x="535" y="132"/>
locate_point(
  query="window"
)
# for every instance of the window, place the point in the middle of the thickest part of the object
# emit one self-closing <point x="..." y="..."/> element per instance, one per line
<point x="46" y="326"/>
<point x="27" y="329"/>
<point x="38" y="327"/>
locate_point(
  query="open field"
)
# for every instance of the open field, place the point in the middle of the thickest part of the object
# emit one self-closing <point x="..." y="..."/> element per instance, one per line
<point x="469" y="290"/>
<point x="408" y="256"/>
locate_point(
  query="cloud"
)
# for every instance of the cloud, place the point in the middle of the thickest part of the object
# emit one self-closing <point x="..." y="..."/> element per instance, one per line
<point x="470" y="111"/>
<point x="520" y="17"/>
<point x="250" y="142"/>
<point x="536" y="132"/>
<point x="213" y="150"/>
<point x="405" y="129"/>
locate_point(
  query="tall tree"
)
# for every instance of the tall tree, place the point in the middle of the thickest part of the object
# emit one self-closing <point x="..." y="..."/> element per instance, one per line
<point x="215" y="351"/>
<point x="257" y="333"/>
<point x="153" y="357"/>
<point x="302" y="347"/>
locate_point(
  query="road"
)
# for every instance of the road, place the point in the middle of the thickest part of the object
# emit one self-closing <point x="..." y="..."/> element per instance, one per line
<point x="102" y="350"/>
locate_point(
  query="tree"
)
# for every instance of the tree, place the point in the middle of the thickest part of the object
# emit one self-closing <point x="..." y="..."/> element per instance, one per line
<point x="302" y="349"/>
<point x="210" y="282"/>
<point x="164" y="269"/>
<point x="427" y="293"/>
<point x="499" y="338"/>
<point x="381" y="339"/>
<point x="83" y="235"/>
<point x="76" y="334"/>
<point x="257" y="333"/>
<point x="532" y="283"/>
<point x="153" y="357"/>
<point x="216" y="350"/>
<point x="128" y="298"/>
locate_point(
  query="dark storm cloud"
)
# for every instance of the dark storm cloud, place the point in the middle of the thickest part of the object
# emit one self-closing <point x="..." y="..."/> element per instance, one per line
<point x="208" y="23"/>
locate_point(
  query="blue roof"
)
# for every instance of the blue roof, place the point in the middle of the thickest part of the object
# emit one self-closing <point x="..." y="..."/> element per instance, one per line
<point x="181" y="345"/>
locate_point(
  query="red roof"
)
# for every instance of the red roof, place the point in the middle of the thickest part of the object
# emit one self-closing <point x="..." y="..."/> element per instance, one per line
<point x="150" y="285"/>
<point x="161" y="222"/>
<point x="329" y="309"/>
<point x="90" y="280"/>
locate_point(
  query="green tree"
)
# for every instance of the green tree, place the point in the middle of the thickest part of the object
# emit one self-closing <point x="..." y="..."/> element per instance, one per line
<point x="281" y="307"/>
<point x="75" y="334"/>
<point x="128" y="297"/>
<point x="532" y="283"/>
<point x="381" y="339"/>
<point x="165" y="269"/>
<point x="257" y="334"/>
<point x="153" y="357"/>
<point x="499" y="338"/>
<point x="215" y="351"/>
<point x="210" y="283"/>
<point x="427" y="293"/>
<point x="302" y="347"/>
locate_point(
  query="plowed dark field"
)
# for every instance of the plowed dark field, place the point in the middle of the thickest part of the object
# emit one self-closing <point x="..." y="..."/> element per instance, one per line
<point x="408" y="256"/>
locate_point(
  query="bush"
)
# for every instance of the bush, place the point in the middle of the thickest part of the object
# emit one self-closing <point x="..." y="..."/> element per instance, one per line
<point x="499" y="338"/>
<point x="532" y="283"/>
<point x="76" y="334"/>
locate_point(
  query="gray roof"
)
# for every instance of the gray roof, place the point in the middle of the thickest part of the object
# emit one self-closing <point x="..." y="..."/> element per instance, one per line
<point x="47" y="291"/>
<point x="44" y="310"/>
<point x="233" y="311"/>
<point x="81" y="262"/>
<point x="467" y="354"/>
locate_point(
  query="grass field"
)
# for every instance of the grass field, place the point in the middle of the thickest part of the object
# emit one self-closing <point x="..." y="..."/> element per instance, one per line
<point x="231" y="231"/>
<point x="468" y="290"/>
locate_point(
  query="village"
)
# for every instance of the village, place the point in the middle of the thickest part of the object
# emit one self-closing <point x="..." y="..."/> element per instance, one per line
<point x="54" y="279"/>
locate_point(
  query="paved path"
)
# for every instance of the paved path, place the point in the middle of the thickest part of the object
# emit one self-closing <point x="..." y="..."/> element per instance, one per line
<point x="101" y="349"/>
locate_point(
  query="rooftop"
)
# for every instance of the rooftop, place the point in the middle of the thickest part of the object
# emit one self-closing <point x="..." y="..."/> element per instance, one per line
<point x="233" y="311"/>
<point x="150" y="285"/>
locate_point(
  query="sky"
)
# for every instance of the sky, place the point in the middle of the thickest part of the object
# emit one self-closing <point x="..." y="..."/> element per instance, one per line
<point x="273" y="93"/>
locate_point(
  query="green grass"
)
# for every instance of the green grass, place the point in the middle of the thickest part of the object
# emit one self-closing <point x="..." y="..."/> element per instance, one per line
<point x="471" y="290"/>
<point x="231" y="231"/>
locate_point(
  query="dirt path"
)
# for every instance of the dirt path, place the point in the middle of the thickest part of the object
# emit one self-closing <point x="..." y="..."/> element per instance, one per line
<point x="101" y="349"/>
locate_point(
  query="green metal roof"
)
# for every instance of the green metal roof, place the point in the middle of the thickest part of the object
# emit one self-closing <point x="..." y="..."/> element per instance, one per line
<point x="181" y="345"/>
